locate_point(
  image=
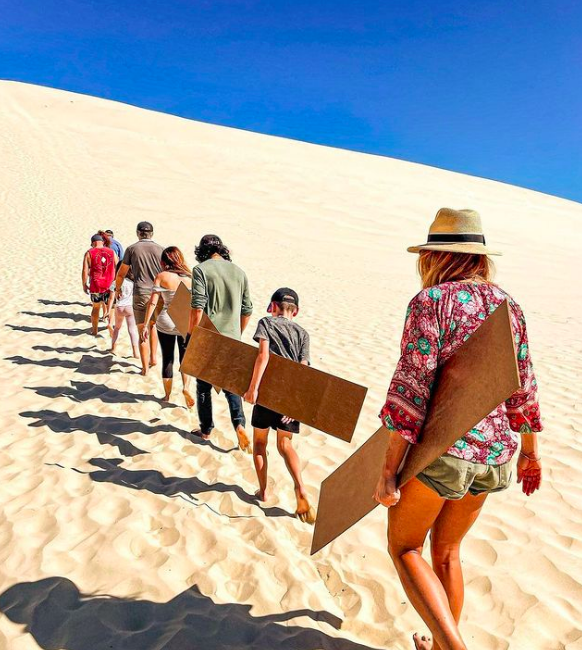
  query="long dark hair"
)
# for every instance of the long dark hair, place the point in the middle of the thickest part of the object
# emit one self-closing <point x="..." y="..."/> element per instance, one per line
<point x="173" y="261"/>
<point x="209" y="245"/>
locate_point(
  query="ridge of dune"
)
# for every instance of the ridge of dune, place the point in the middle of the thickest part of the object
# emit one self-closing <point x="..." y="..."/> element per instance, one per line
<point x="103" y="493"/>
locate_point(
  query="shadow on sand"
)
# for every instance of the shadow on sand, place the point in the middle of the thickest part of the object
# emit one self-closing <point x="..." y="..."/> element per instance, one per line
<point x="108" y="428"/>
<point x="87" y="365"/>
<point x="43" y="330"/>
<point x="77" y="318"/>
<point x="156" y="483"/>
<point x="58" y="615"/>
<point x="65" y="350"/>
<point x="83" y="391"/>
<point x="63" y="303"/>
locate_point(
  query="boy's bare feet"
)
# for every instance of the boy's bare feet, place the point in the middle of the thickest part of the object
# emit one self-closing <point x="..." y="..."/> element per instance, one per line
<point x="166" y="398"/>
<point x="422" y="643"/>
<point x="189" y="399"/>
<point x="243" y="440"/>
<point x="261" y="495"/>
<point x="304" y="512"/>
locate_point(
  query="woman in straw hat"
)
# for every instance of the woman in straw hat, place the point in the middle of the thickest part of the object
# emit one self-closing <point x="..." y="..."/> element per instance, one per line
<point x="447" y="497"/>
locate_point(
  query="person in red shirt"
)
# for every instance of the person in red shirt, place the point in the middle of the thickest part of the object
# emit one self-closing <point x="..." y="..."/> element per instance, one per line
<point x="97" y="275"/>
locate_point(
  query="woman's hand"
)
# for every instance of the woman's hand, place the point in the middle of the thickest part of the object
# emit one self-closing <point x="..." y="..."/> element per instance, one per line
<point x="529" y="473"/>
<point x="251" y="396"/>
<point x="387" y="492"/>
<point x="145" y="332"/>
<point x="287" y="420"/>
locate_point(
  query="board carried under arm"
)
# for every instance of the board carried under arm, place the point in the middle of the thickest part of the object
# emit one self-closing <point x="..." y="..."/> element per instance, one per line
<point x="313" y="397"/>
<point x="478" y="377"/>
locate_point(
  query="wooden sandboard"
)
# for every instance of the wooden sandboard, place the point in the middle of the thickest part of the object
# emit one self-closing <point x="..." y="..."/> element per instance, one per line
<point x="179" y="311"/>
<point x="481" y="374"/>
<point x="311" y="396"/>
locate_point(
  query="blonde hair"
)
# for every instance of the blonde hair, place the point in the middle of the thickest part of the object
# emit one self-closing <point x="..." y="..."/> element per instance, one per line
<point x="436" y="267"/>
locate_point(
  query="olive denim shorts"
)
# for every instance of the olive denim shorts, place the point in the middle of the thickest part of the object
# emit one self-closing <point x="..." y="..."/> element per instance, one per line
<point x="451" y="477"/>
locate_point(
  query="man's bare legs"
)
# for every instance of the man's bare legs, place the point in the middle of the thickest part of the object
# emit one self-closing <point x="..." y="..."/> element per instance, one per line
<point x="95" y="311"/>
<point x="144" y="350"/>
<point x="188" y="397"/>
<point x="285" y="447"/>
<point x="409" y="523"/>
<point x="153" y="353"/>
<point x="260" y="439"/>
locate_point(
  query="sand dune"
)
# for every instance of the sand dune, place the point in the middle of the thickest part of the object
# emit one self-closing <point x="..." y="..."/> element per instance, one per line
<point x="118" y="530"/>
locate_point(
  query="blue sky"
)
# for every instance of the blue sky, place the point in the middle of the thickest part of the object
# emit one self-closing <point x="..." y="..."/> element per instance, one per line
<point x="486" y="88"/>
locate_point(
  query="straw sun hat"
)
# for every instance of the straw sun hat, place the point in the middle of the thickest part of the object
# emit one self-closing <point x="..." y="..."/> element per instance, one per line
<point x="456" y="231"/>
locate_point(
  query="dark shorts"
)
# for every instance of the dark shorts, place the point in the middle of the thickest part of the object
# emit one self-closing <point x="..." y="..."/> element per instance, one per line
<point x="452" y="478"/>
<point x="264" y="418"/>
<point x="100" y="297"/>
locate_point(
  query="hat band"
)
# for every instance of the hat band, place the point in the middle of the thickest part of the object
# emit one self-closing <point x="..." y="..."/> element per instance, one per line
<point x="456" y="239"/>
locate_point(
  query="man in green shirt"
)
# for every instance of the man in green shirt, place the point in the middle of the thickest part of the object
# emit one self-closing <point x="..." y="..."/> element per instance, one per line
<point x="221" y="289"/>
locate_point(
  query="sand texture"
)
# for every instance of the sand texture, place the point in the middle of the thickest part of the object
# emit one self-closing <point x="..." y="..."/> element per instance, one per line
<point x="120" y="531"/>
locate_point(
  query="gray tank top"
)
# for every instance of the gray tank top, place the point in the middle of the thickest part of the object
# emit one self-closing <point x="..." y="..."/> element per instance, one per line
<point x="164" y="323"/>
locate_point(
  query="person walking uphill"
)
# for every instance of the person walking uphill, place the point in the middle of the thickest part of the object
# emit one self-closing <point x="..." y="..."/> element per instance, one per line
<point x="144" y="260"/>
<point x="446" y="498"/>
<point x="97" y="275"/>
<point x="221" y="289"/>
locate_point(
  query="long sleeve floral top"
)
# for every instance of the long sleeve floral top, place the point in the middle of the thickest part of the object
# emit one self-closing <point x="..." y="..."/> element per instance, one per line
<point x="438" y="321"/>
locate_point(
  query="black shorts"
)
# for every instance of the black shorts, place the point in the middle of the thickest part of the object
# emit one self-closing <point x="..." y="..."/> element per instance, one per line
<point x="100" y="297"/>
<point x="264" y="418"/>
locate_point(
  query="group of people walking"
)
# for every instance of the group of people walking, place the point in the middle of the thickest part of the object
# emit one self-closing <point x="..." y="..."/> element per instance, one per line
<point x="458" y="294"/>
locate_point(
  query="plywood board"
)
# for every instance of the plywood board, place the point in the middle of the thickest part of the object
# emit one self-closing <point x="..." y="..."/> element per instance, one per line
<point x="311" y="396"/>
<point x="481" y="374"/>
<point x="179" y="311"/>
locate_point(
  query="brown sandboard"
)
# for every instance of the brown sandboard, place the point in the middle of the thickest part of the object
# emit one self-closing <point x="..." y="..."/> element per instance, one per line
<point x="481" y="374"/>
<point x="311" y="396"/>
<point x="179" y="311"/>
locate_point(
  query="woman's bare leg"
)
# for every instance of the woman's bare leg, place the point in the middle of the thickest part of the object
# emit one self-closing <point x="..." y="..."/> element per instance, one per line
<point x="260" y="439"/>
<point x="188" y="397"/>
<point x="451" y="526"/>
<point x="153" y="359"/>
<point x="167" y="389"/>
<point x="409" y="523"/>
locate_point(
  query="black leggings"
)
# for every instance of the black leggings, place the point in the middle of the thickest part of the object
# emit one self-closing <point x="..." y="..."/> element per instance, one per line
<point x="168" y="345"/>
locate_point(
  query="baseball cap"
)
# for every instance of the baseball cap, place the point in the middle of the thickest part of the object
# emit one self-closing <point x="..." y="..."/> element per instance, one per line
<point x="96" y="238"/>
<point x="145" y="226"/>
<point x="109" y="231"/>
<point x="284" y="295"/>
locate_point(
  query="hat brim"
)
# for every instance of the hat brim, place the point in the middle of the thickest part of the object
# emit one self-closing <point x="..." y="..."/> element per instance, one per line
<point x="474" y="249"/>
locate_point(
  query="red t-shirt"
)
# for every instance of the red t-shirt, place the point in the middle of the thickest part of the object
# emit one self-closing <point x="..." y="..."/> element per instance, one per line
<point x="101" y="269"/>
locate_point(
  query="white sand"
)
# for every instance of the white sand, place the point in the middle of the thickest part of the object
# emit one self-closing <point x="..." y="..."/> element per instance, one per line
<point x="101" y="493"/>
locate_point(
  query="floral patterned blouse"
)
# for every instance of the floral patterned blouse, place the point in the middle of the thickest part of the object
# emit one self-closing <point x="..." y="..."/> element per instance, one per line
<point x="438" y="321"/>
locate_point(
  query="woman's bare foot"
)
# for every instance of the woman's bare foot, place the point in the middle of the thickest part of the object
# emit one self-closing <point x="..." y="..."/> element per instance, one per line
<point x="243" y="441"/>
<point x="261" y="495"/>
<point x="422" y="642"/>
<point x="304" y="512"/>
<point x="166" y="398"/>
<point x="144" y="372"/>
<point x="190" y="401"/>
<point x="198" y="432"/>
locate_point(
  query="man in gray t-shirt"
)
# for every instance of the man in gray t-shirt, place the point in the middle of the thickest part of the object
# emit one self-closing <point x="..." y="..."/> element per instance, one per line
<point x="144" y="260"/>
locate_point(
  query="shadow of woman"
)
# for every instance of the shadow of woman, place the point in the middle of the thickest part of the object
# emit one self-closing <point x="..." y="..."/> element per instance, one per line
<point x="59" y="616"/>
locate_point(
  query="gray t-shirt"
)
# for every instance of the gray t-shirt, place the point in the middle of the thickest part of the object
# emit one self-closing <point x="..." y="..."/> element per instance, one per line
<point x="144" y="259"/>
<point x="285" y="337"/>
<point x="221" y="289"/>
